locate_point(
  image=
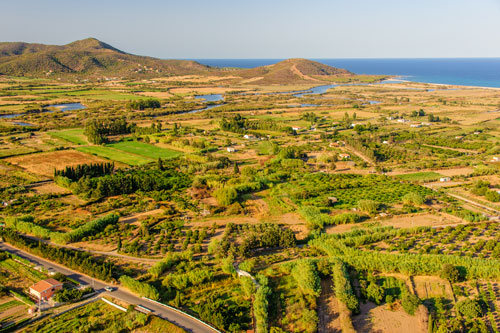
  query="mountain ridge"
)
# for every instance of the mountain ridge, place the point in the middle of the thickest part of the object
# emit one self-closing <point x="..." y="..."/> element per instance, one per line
<point x="92" y="58"/>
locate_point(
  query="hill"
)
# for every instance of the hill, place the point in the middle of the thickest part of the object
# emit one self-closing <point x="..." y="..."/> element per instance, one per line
<point x="291" y="71"/>
<point x="89" y="58"/>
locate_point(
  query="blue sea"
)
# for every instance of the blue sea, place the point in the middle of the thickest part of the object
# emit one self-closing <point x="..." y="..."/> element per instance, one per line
<point x="483" y="72"/>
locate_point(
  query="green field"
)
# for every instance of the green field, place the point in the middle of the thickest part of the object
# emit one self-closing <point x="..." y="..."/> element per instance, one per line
<point x="144" y="149"/>
<point x="130" y="152"/>
<point x="115" y="155"/>
<point x="74" y="135"/>
<point x="421" y="176"/>
<point x="103" y="95"/>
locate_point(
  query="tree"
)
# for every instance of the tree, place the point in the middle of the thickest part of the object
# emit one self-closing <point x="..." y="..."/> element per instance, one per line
<point x="160" y="164"/>
<point x="236" y="169"/>
<point x="226" y="195"/>
<point x="368" y="206"/>
<point x="409" y="302"/>
<point x="375" y="293"/>
<point x="307" y="277"/>
<point x="469" y="308"/>
<point x="119" y="245"/>
<point x="450" y="273"/>
<point x="413" y="198"/>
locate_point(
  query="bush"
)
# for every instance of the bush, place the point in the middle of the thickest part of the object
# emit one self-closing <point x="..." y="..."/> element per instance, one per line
<point x="368" y="206"/>
<point x="450" y="273"/>
<point x="343" y="288"/>
<point x="409" y="302"/>
<point x="375" y="293"/>
<point x="413" y="198"/>
<point x="226" y="195"/>
<point x="304" y="272"/>
<point x="90" y="228"/>
<point x="142" y="288"/>
<point x="469" y="308"/>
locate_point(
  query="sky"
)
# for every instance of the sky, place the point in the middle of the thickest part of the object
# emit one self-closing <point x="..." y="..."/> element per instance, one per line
<point x="199" y="29"/>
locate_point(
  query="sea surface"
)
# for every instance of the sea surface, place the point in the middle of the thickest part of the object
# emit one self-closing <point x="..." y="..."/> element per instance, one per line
<point x="483" y="72"/>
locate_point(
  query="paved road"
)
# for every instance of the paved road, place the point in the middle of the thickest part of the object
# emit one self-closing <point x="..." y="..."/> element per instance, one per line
<point x="177" y="318"/>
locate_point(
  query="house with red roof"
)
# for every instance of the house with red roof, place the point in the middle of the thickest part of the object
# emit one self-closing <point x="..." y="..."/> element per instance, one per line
<point x="45" y="289"/>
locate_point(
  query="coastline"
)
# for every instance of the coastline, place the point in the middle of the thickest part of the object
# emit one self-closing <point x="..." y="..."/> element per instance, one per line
<point x="399" y="78"/>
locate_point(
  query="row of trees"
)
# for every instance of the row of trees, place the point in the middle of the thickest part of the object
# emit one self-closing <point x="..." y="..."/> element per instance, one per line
<point x="410" y="264"/>
<point x="316" y="219"/>
<point x="141" y="104"/>
<point x="74" y="173"/>
<point x="168" y="262"/>
<point x="261" y="304"/>
<point x="25" y="224"/>
<point x="143" y="289"/>
<point x="240" y="124"/>
<point x="97" y="130"/>
<point x="90" y="228"/>
<point x="78" y="260"/>
<point x="145" y="179"/>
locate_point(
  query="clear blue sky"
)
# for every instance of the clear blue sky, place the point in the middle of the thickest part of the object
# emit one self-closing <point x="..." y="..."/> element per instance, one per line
<point x="264" y="28"/>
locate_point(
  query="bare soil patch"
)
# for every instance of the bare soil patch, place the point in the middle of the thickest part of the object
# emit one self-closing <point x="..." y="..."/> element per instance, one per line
<point x="156" y="94"/>
<point x="380" y="319"/>
<point x="418" y="220"/>
<point x="328" y="311"/>
<point x="432" y="286"/>
<point x="45" y="163"/>
<point x="50" y="188"/>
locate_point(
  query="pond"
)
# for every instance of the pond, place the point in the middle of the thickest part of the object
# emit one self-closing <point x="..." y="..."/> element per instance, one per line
<point x="61" y="107"/>
<point x="68" y="106"/>
<point x="211" y="97"/>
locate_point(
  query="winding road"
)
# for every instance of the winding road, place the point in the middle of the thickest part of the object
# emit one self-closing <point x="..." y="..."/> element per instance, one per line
<point x="176" y="317"/>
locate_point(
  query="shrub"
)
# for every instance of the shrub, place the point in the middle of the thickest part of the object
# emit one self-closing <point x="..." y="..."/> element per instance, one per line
<point x="413" y="198"/>
<point x="142" y="288"/>
<point x="368" y="206"/>
<point x="304" y="272"/>
<point x="226" y="195"/>
<point x="469" y="308"/>
<point x="450" y="273"/>
<point x="409" y="302"/>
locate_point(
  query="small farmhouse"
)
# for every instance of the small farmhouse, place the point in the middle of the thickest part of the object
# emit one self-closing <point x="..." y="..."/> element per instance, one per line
<point x="45" y="289"/>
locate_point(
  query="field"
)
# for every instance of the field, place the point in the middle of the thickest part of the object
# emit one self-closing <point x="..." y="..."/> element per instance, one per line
<point x="130" y="152"/>
<point x="74" y="135"/>
<point x="44" y="164"/>
<point x="144" y="149"/>
<point x="375" y="318"/>
<point x="115" y="155"/>
<point x="12" y="311"/>
<point x="99" y="316"/>
<point x="331" y="202"/>
<point x="421" y="176"/>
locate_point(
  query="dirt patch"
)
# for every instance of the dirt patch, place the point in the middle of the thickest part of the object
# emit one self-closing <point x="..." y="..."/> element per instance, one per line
<point x="455" y="172"/>
<point x="137" y="217"/>
<point x="45" y="163"/>
<point x="421" y="220"/>
<point x="375" y="318"/>
<point x="50" y="188"/>
<point x="328" y="311"/>
<point x="204" y="90"/>
<point x="157" y="94"/>
<point x="432" y="286"/>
